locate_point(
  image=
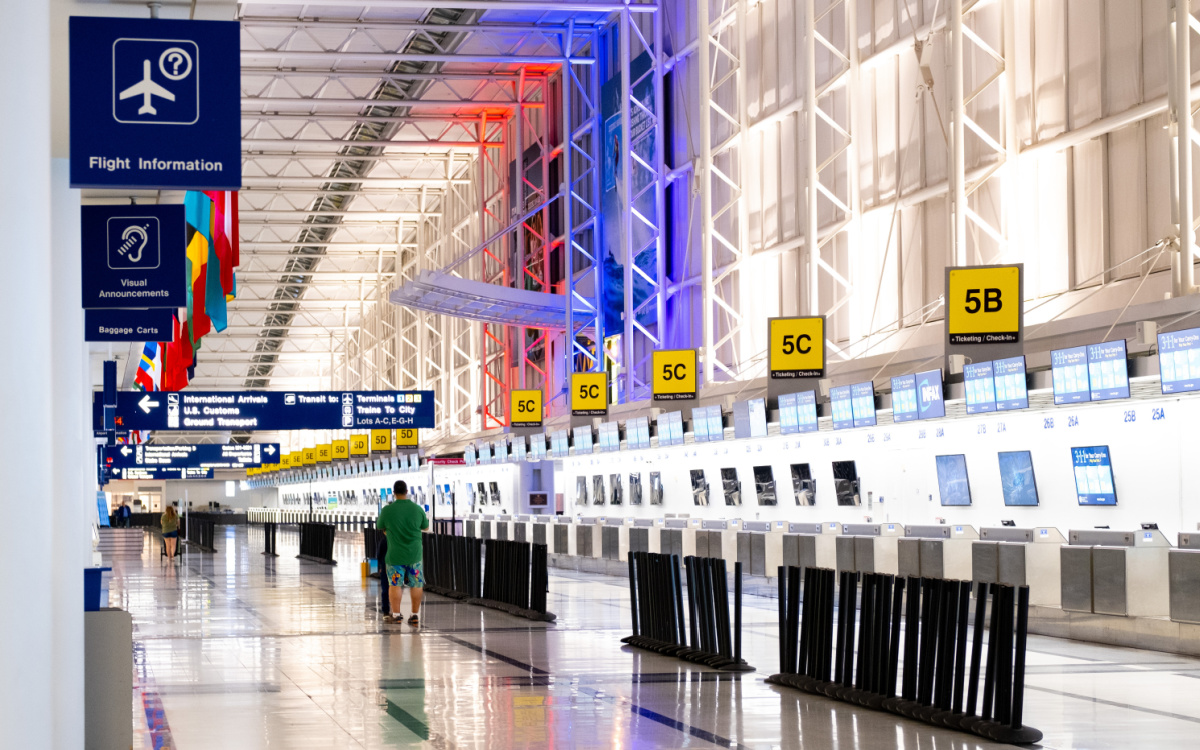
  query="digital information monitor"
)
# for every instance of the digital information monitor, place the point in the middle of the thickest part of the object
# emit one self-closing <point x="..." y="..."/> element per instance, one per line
<point x="981" y="388"/>
<point x="1108" y="372"/>
<point x="1179" y="360"/>
<point x="1070" y="370"/>
<point x="862" y="396"/>
<point x="1093" y="475"/>
<point x="1012" y="392"/>
<point x="798" y="412"/>
<point x="840" y="403"/>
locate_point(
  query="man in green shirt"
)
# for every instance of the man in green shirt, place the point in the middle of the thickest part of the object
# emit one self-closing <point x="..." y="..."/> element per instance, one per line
<point x="403" y="521"/>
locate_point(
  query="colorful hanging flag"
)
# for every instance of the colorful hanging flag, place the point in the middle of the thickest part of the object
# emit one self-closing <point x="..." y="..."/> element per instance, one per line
<point x="149" y="374"/>
<point x="197" y="210"/>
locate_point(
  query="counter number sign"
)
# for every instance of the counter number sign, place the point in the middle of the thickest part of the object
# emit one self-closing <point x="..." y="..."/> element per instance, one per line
<point x="324" y="453"/>
<point x="983" y="304"/>
<point x="341" y="450"/>
<point x="360" y="445"/>
<point x="589" y="394"/>
<point x="309" y="456"/>
<point x="381" y="441"/>
<point x="675" y="375"/>
<point x="406" y="438"/>
<point x="797" y="347"/>
<point x="525" y="408"/>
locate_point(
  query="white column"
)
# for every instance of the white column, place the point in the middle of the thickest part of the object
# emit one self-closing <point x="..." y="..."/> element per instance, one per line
<point x="29" y="707"/>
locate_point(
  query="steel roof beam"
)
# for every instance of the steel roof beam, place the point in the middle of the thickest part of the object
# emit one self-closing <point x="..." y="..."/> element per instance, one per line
<point x="271" y="181"/>
<point x="388" y="58"/>
<point x="307" y="101"/>
<point x="547" y="6"/>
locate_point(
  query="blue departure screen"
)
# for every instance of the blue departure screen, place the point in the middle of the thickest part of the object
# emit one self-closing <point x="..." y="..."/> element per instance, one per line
<point x="931" y="403"/>
<point x="1107" y="370"/>
<point x="840" y="403"/>
<point x="981" y="388"/>
<point x="798" y="412"/>
<point x="1093" y="476"/>
<point x="862" y="397"/>
<point x="1179" y="360"/>
<point x="1070" y="370"/>
<point x="953" y="486"/>
<point x="1011" y="389"/>
<point x="904" y="398"/>
<point x="1016" y="478"/>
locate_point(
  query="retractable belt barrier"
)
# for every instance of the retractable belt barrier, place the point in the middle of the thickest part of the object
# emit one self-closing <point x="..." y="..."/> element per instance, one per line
<point x="938" y="684"/>
<point x="508" y="576"/>
<point x="371" y="539"/>
<point x="269" y="529"/>
<point x="316" y="543"/>
<point x="656" y="596"/>
<point x="198" y="532"/>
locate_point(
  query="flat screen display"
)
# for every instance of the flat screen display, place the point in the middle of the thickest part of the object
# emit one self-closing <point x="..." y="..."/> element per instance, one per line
<point x="731" y="486"/>
<point x="700" y="424"/>
<point x="862" y="396"/>
<point x="656" y="488"/>
<point x="1179" y="360"/>
<point x="953" y="486"/>
<point x="581" y="491"/>
<point x="764" y="485"/>
<point x="798" y="412"/>
<point x="699" y="487"/>
<point x="1012" y="392"/>
<point x="615" y="495"/>
<point x="981" y="388"/>
<point x="845" y="483"/>
<point x="1093" y="475"/>
<point x="842" y="406"/>
<point x="537" y="446"/>
<point x="519" y="450"/>
<point x="1070" y="370"/>
<point x="803" y="485"/>
<point x="1108" y="373"/>
<point x="758" y="417"/>
<point x="562" y="444"/>
<point x="635" y="488"/>
<point x="598" y="489"/>
<point x="670" y="428"/>
<point x="641" y="431"/>
<point x="583" y="439"/>
<point x="609" y="437"/>
<point x="716" y="424"/>
<point x="495" y="488"/>
<point x="904" y="398"/>
<point x="485" y="453"/>
<point x="469" y="455"/>
<point x="1016" y="478"/>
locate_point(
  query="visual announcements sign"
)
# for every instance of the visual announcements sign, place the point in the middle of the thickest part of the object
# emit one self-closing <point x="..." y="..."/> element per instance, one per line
<point x="271" y="410"/>
<point x="984" y="305"/>
<point x="134" y="256"/>
<point x="155" y="103"/>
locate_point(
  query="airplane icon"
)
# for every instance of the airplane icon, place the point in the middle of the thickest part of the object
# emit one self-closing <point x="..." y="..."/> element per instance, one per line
<point x="146" y="88"/>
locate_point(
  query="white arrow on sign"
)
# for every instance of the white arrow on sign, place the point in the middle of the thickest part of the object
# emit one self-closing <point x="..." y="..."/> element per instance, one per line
<point x="146" y="404"/>
<point x="125" y="450"/>
<point x="269" y="450"/>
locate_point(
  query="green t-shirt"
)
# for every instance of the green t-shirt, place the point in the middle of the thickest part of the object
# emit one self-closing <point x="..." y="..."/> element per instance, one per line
<point x="403" y="521"/>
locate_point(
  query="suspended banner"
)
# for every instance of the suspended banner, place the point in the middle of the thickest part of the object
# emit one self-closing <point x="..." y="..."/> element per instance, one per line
<point x="133" y="256"/>
<point x="270" y="410"/>
<point x="159" y="472"/>
<point x="128" y="325"/>
<point x="233" y="456"/>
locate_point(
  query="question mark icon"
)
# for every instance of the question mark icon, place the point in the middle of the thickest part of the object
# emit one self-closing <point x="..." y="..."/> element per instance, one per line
<point x="178" y="61"/>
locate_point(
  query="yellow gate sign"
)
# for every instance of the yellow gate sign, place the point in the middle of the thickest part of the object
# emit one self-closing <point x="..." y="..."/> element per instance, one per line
<point x="324" y="453"/>
<point x="310" y="456"/>
<point x="381" y="441"/>
<point x="676" y="376"/>
<point x="360" y="445"/>
<point x="341" y="450"/>
<point x="525" y="408"/>
<point x="796" y="347"/>
<point x="406" y="437"/>
<point x="589" y="394"/>
<point x="984" y="304"/>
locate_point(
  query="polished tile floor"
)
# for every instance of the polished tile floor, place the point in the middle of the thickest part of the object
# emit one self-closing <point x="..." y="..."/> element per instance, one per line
<point x="236" y="650"/>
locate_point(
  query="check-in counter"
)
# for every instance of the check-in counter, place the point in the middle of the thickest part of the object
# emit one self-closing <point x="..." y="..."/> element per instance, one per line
<point x="869" y="547"/>
<point x="521" y="531"/>
<point x="1021" y="557"/>
<point x="1121" y="573"/>
<point x="539" y="532"/>
<point x="645" y="535"/>
<point x="718" y="538"/>
<point x="614" y="538"/>
<point x="677" y="537"/>
<point x="810" y="545"/>
<point x="760" y="547"/>
<point x="503" y="528"/>
<point x="562" y="538"/>
<point x="587" y="537"/>
<point x="939" y="551"/>
<point x="1184" y="570"/>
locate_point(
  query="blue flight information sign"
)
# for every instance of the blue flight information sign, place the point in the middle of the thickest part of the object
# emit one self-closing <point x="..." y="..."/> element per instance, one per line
<point x="862" y="404"/>
<point x="134" y="256"/>
<point x="1108" y="372"/>
<point x="1179" y="360"/>
<point x="159" y="472"/>
<point x="1070" y="370"/>
<point x="798" y="412"/>
<point x="1012" y="392"/>
<point x="230" y="456"/>
<point x="980" y="385"/>
<point x="270" y="410"/>
<point x="155" y="103"/>
<point x="1093" y="476"/>
<point x="129" y="325"/>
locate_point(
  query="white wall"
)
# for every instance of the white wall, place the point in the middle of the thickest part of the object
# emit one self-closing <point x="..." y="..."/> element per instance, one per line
<point x="1156" y="476"/>
<point x="201" y="492"/>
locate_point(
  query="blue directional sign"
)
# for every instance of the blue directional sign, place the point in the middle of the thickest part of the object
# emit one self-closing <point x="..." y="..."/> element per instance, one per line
<point x="134" y="256"/>
<point x="159" y="472"/>
<point x="231" y="456"/>
<point x="270" y="410"/>
<point x="155" y="103"/>
<point x="128" y="325"/>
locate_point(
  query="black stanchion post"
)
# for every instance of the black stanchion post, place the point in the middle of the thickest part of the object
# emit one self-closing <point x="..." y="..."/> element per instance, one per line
<point x="737" y="611"/>
<point x="989" y="676"/>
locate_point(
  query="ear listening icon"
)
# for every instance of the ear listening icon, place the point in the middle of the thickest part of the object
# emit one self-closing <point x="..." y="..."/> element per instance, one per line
<point x="134" y="238"/>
